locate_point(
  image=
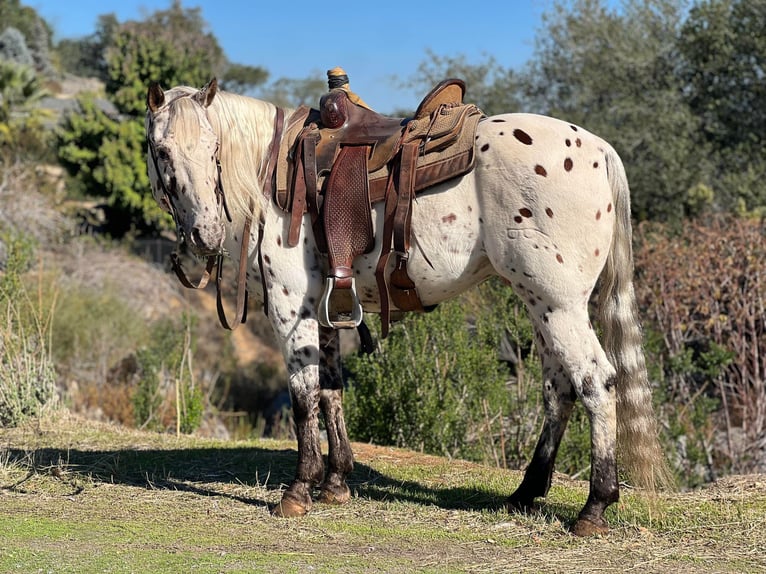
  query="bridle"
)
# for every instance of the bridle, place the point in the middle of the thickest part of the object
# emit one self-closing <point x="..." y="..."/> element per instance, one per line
<point x="216" y="261"/>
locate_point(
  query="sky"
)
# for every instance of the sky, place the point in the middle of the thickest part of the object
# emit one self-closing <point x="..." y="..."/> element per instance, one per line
<point x="299" y="39"/>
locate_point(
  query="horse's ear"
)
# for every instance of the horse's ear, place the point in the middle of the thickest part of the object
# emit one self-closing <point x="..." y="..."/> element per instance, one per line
<point x="207" y="93"/>
<point x="155" y="97"/>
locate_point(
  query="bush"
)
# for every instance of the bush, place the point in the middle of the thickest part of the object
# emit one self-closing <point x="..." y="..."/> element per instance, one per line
<point x="703" y="291"/>
<point x="165" y="371"/>
<point x="27" y="376"/>
<point x="463" y="381"/>
<point x="436" y="386"/>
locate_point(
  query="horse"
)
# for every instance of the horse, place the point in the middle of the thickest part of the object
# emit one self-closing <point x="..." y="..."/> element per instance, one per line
<point x="546" y="208"/>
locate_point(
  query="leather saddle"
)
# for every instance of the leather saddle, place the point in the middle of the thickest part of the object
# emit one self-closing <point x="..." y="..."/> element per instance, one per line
<point x="339" y="159"/>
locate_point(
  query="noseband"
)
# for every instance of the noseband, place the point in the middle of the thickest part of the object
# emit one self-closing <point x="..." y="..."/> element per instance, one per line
<point x="216" y="261"/>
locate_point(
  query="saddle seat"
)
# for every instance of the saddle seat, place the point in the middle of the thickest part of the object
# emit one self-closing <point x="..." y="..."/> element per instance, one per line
<point x="335" y="162"/>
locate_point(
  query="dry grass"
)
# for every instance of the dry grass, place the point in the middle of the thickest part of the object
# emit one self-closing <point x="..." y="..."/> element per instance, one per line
<point x="78" y="496"/>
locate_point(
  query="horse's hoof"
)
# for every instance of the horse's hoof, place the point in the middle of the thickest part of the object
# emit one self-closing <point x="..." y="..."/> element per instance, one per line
<point x="585" y="527"/>
<point x="520" y="505"/>
<point x="289" y="507"/>
<point x="334" y="494"/>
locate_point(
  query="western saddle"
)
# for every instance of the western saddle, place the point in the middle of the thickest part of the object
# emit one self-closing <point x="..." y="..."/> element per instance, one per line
<point x="335" y="162"/>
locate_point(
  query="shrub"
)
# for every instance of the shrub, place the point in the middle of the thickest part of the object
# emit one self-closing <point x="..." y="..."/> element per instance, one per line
<point x="27" y="376"/>
<point x="436" y="386"/>
<point x="703" y="291"/>
<point x="463" y="381"/>
<point x="165" y="372"/>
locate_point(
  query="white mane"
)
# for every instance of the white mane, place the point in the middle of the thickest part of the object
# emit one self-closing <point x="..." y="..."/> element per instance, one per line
<point x="244" y="127"/>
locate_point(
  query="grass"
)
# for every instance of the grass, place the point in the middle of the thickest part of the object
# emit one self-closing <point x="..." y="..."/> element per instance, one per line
<point x="77" y="496"/>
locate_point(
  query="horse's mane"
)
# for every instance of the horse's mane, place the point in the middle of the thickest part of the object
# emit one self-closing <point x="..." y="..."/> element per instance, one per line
<point x="244" y="127"/>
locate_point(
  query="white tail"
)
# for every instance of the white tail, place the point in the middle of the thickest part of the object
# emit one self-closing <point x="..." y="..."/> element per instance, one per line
<point x="639" y="449"/>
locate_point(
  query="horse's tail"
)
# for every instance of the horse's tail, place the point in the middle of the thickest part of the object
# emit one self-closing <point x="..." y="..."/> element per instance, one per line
<point x="639" y="449"/>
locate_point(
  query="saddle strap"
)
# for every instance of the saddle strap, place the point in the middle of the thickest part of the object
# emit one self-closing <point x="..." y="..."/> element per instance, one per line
<point x="385" y="253"/>
<point x="304" y="188"/>
<point x="403" y="291"/>
<point x="396" y="231"/>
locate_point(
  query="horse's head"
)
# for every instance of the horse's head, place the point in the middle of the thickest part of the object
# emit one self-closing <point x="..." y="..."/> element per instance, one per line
<point x="183" y="164"/>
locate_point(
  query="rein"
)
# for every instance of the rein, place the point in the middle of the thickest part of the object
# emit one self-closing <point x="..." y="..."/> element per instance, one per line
<point x="216" y="261"/>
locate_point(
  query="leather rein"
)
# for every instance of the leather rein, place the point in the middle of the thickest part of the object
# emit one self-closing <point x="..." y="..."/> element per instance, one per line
<point x="216" y="261"/>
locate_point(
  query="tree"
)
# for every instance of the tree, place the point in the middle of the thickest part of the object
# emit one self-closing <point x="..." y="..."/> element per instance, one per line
<point x="616" y="74"/>
<point x="490" y="86"/>
<point x="292" y="93"/>
<point x="85" y="56"/>
<point x="724" y="55"/>
<point x="13" y="47"/>
<point x="108" y="159"/>
<point x="107" y="155"/>
<point x="35" y="30"/>
<point x="241" y="79"/>
<point x="21" y="120"/>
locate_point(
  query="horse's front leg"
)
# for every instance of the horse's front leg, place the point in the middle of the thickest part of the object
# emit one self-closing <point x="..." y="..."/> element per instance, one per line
<point x="334" y="489"/>
<point x="297" y="331"/>
<point x="302" y="357"/>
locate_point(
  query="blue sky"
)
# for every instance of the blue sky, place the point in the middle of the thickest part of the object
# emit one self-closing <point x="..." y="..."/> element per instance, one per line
<point x="298" y="39"/>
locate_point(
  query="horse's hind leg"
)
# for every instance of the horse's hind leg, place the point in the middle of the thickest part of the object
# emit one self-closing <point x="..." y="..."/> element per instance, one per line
<point x="340" y="458"/>
<point x="569" y="336"/>
<point x="558" y="397"/>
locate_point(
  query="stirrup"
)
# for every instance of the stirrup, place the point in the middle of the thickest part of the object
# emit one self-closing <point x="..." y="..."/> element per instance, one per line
<point x="324" y="307"/>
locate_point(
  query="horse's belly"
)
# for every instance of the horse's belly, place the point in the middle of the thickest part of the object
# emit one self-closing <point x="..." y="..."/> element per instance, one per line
<point x="446" y="256"/>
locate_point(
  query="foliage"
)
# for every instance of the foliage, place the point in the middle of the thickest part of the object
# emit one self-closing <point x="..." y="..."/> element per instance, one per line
<point x="86" y="56"/>
<point x="165" y="364"/>
<point x="240" y="79"/>
<point x="13" y="48"/>
<point x="436" y="386"/>
<point x="35" y="31"/>
<point x="723" y="50"/>
<point x="92" y="330"/>
<point x="21" y="121"/>
<point x="171" y="46"/>
<point x="293" y="92"/>
<point x="489" y="85"/>
<point x="106" y="157"/>
<point x="704" y="293"/>
<point x="615" y="73"/>
<point x="27" y="375"/>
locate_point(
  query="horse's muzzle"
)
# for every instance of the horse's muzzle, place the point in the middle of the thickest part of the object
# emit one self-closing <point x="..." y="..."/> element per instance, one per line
<point x="204" y="241"/>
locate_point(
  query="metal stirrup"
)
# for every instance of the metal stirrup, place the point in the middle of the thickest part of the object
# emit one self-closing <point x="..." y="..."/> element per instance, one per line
<point x="324" y="307"/>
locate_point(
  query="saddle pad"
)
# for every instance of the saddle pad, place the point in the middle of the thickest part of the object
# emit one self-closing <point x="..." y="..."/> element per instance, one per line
<point x="294" y="124"/>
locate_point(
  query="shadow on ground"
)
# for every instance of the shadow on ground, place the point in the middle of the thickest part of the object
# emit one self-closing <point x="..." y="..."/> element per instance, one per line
<point x="208" y="471"/>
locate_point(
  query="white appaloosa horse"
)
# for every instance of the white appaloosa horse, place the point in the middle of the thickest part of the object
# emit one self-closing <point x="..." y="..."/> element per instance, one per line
<point x="546" y="207"/>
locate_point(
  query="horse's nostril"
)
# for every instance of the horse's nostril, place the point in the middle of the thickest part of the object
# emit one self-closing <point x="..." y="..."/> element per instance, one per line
<point x="196" y="237"/>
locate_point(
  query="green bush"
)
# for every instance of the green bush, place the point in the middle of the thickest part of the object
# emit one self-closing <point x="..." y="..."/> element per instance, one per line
<point x="165" y="370"/>
<point x="436" y="386"/>
<point x="463" y="381"/>
<point x="27" y="375"/>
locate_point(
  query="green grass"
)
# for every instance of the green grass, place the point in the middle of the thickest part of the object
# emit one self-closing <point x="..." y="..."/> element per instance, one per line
<point x="77" y="496"/>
